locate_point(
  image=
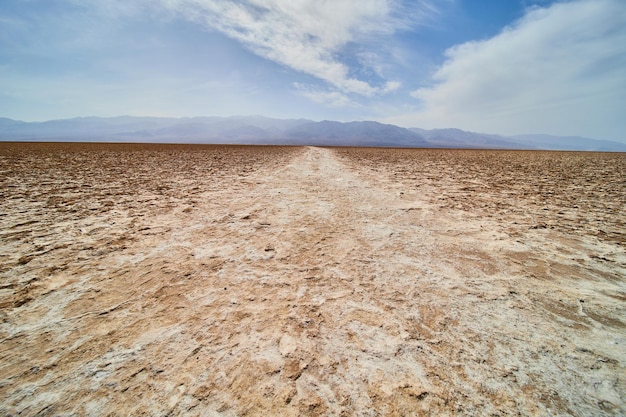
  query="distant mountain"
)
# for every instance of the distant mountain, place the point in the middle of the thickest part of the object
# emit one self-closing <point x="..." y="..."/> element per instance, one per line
<point x="456" y="138"/>
<point x="9" y="123"/>
<point x="252" y="130"/>
<point x="265" y="130"/>
<point x="354" y="134"/>
<point x="574" y="143"/>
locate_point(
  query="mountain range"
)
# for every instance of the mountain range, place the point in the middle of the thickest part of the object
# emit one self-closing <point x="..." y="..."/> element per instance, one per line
<point x="265" y="130"/>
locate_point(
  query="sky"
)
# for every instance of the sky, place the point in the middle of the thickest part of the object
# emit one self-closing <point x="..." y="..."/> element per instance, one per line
<point x="491" y="66"/>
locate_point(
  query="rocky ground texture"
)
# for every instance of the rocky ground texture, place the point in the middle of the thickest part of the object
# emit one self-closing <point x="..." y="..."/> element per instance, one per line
<point x="255" y="281"/>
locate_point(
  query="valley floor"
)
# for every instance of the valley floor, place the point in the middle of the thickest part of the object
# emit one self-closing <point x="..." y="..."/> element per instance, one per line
<point x="226" y="280"/>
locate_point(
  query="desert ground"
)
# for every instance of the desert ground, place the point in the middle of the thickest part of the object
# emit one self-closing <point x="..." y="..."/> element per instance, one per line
<point x="256" y="281"/>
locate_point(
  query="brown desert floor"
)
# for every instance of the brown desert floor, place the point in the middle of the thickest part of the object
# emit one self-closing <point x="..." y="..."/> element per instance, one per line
<point x="256" y="281"/>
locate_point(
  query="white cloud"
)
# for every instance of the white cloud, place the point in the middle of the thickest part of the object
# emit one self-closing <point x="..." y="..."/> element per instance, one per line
<point x="391" y="86"/>
<point x="558" y="70"/>
<point x="306" y="35"/>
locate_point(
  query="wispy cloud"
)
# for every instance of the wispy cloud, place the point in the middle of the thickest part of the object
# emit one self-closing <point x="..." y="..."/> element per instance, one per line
<point x="557" y="66"/>
<point x="330" y="98"/>
<point x="307" y="35"/>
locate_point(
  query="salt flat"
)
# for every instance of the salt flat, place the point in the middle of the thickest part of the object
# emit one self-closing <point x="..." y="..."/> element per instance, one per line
<point x="229" y="280"/>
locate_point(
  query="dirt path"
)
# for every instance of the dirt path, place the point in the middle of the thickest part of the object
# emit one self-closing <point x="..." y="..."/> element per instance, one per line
<point x="311" y="285"/>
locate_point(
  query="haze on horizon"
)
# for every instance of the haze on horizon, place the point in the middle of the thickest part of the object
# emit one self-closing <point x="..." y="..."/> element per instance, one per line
<point x="514" y="67"/>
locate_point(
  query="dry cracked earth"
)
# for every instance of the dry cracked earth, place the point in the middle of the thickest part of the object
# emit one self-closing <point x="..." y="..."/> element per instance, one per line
<point x="253" y="281"/>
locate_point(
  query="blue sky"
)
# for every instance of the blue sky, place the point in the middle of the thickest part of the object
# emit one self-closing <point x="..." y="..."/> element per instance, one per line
<point x="494" y="66"/>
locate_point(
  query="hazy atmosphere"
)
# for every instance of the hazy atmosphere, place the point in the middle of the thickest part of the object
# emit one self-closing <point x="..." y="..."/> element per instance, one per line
<point x="504" y="67"/>
<point x="314" y="208"/>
